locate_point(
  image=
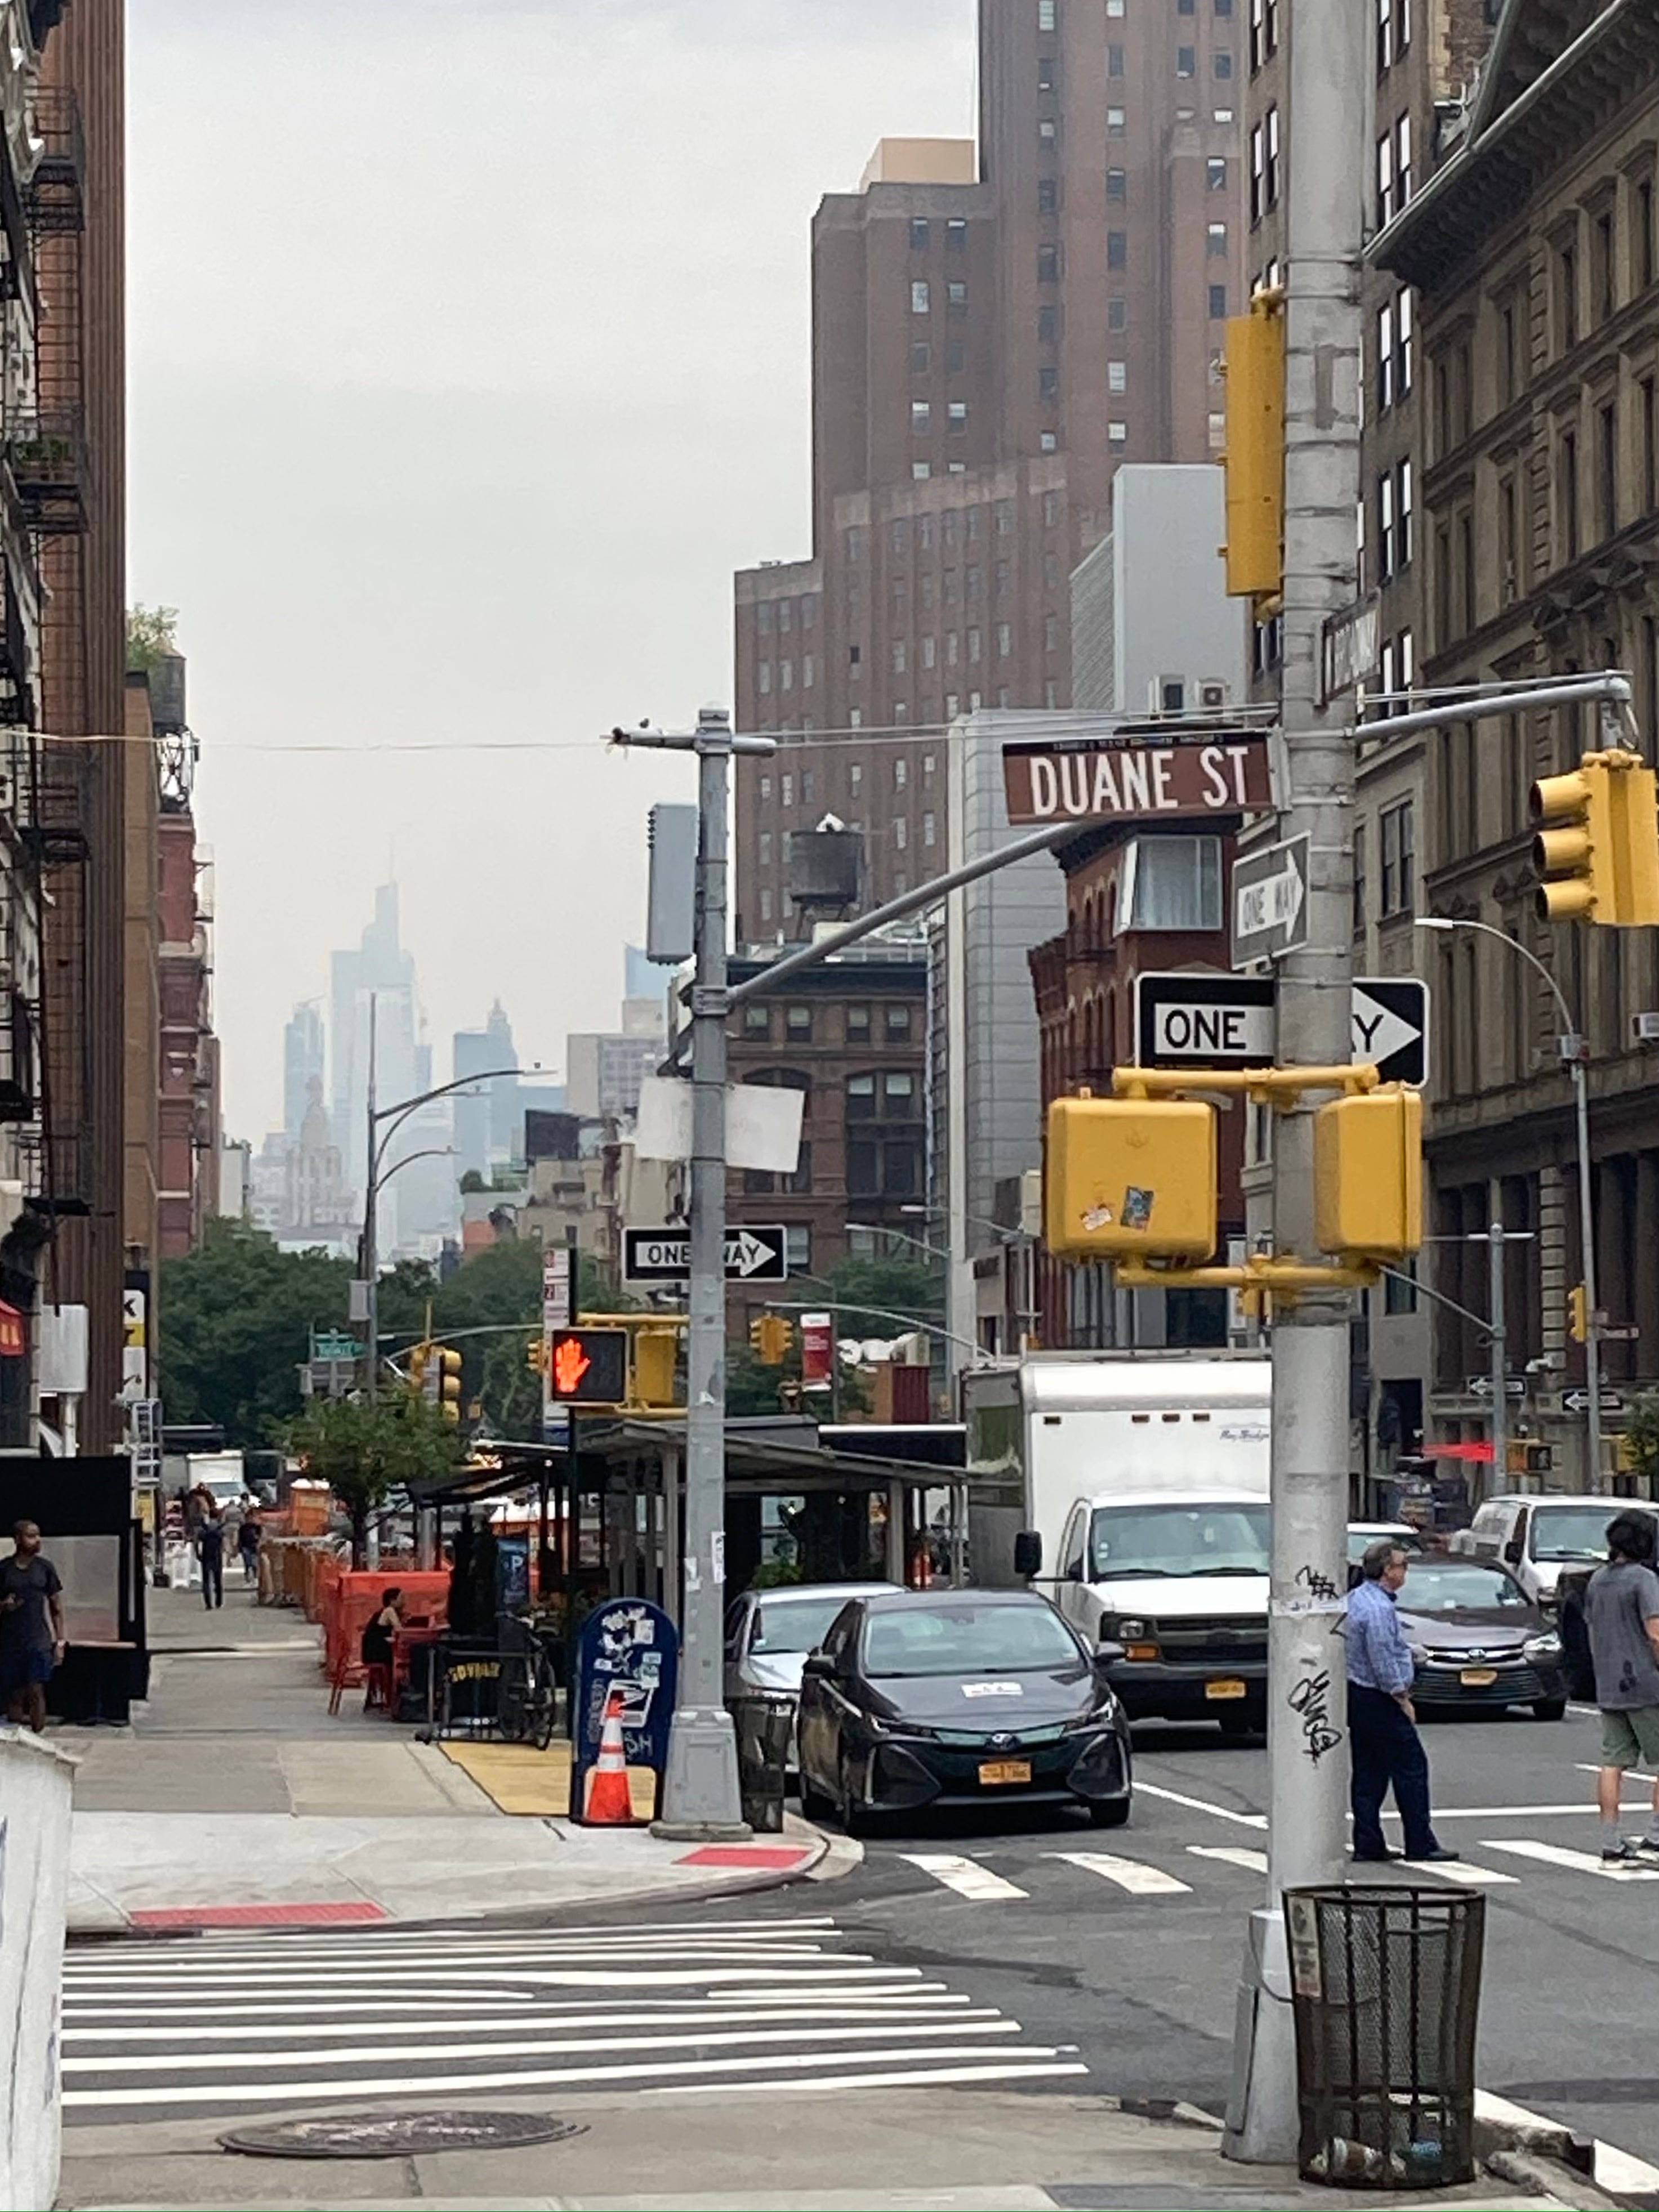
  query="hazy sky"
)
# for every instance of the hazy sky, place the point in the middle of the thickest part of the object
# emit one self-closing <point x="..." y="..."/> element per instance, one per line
<point x="469" y="357"/>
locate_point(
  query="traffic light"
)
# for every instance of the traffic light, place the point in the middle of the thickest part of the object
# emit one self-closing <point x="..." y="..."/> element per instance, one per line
<point x="1579" y="1313"/>
<point x="589" y="1366"/>
<point x="535" y="1355"/>
<point x="1130" y="1177"/>
<point x="419" y="1360"/>
<point x="1597" y="846"/>
<point x="1253" y="366"/>
<point x="656" y="1356"/>
<point x="1368" y="1175"/>
<point x="448" y="1371"/>
<point x="771" y="1337"/>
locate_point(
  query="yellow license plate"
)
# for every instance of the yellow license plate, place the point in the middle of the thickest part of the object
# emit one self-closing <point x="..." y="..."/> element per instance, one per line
<point x="1005" y="1770"/>
<point x="1226" y="1689"/>
<point x="1478" y="1678"/>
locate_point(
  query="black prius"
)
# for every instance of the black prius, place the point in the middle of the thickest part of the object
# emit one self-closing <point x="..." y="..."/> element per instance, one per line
<point x="956" y="1697"/>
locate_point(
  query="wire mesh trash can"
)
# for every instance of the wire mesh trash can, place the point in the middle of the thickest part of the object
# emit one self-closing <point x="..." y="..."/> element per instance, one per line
<point x="764" y="1726"/>
<point x="1386" y="1991"/>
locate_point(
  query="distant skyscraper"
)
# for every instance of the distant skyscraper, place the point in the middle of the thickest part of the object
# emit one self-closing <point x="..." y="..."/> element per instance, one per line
<point x="303" y="1059"/>
<point x="489" y="1128"/>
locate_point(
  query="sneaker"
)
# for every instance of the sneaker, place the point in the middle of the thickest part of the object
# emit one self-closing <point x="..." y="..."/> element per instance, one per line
<point x="1650" y="1844"/>
<point x="1619" y="1852"/>
<point x="1438" y="1856"/>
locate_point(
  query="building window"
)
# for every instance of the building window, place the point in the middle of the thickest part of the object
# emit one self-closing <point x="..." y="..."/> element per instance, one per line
<point x="1650" y="397"/>
<point x="1398" y="886"/>
<point x="919" y="296"/>
<point x="1005" y="640"/>
<point x="856" y="1023"/>
<point x="918" y="234"/>
<point x="1384" y="359"/>
<point x="974" y="642"/>
<point x="1217" y="432"/>
<point x="929" y="829"/>
<point x="1117" y="376"/>
<point x="922" y="416"/>
<point x="798" y="1023"/>
<point x="929" y="652"/>
<point x="787" y="791"/>
<point x="1393" y="520"/>
<point x="1047" y="265"/>
<point x="786" y="676"/>
<point x="1048" y="384"/>
<point x="955" y="297"/>
<point x="1117" y="314"/>
<point x="1644" y="255"/>
<point x="900" y="656"/>
<point x="763" y="677"/>
<point x="1218" y="302"/>
<point x="1048" y="195"/>
<point x="1170" y="882"/>
<point x="1264" y="31"/>
<point x="860" y="1098"/>
<point x="1359" y="872"/>
<point x="1117" y="185"/>
<point x="1052" y="509"/>
<point x="1117" y="435"/>
<point x="1047" y="326"/>
<point x="1566" y="495"/>
<point x="1402" y="161"/>
<point x="901" y="773"/>
<point x="1116" y="123"/>
<point x="1603" y="274"/>
<point x="1264" y="165"/>
<point x="1221" y="62"/>
<point x="1215" y="173"/>
<point x="1606" y="469"/>
<point x="1117" y="249"/>
<point x="1566" y="295"/>
<point x="1048" y="73"/>
<point x="955" y="234"/>
<point x="766" y="787"/>
<point x="1045" y="15"/>
<point x="1048" y="131"/>
<point x="1400" y="1288"/>
<point x="901" y="834"/>
<point x="920" y="470"/>
<point x="1216" y="244"/>
<point x="921" y="357"/>
<point x="808" y="671"/>
<point x="1185" y="61"/>
<point x="765" y="903"/>
<point x="898" y="1024"/>
<point x="798" y="1249"/>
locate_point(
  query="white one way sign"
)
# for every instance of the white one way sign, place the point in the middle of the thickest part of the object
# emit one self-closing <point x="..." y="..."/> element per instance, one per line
<point x="1192" y="1019"/>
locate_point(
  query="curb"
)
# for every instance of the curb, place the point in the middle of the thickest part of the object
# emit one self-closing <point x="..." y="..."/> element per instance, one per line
<point x="1549" y="2178"/>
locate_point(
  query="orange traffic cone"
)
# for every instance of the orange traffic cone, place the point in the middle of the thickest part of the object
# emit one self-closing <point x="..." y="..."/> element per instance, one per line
<point x="610" y="1801"/>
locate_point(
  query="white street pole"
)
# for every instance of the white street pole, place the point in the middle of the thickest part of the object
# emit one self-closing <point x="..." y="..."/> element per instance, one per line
<point x="1307" y="1684"/>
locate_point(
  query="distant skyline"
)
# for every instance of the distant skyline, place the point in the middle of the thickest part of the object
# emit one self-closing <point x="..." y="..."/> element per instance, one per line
<point x="469" y="357"/>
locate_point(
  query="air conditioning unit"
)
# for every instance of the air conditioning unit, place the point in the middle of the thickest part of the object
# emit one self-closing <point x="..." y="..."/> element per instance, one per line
<point x="1213" y="694"/>
<point x="1167" y="694"/>
<point x="1645" y="1028"/>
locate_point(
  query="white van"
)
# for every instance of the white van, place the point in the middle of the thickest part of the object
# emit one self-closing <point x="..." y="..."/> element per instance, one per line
<point x="1536" y="1537"/>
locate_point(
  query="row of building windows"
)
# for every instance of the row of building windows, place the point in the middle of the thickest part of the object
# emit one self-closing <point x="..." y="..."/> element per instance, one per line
<point x="1393" y="32"/>
<point x="857" y="1026"/>
<point x="955" y="234"/>
<point x="787" y="675"/>
<point x="921" y="357"/>
<point x="921" y="294"/>
<point x="788" y="782"/>
<point x="1264" y="165"/>
<point x="1264" y="32"/>
<point x="1397" y="879"/>
<point x="787" y="614"/>
<point x="1117" y="124"/>
<point x="1394" y="170"/>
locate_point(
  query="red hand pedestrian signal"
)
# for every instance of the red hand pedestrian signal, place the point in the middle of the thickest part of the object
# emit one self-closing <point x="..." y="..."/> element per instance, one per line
<point x="570" y="1364"/>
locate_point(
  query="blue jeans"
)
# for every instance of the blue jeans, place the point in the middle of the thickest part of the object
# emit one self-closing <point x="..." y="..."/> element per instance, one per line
<point x="1387" y="1750"/>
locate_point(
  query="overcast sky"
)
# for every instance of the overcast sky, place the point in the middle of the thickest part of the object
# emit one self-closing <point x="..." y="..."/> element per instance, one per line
<point x="469" y="357"/>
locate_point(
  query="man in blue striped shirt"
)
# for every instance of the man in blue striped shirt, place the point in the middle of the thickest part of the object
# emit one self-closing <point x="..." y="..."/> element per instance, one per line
<point x="1382" y="1722"/>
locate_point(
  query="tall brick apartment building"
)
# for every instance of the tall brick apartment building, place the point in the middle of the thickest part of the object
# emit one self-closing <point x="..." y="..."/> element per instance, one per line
<point x="995" y="328"/>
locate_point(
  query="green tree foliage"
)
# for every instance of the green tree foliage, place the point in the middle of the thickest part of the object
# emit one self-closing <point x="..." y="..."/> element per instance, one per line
<point x="892" y="1285"/>
<point x="1641" y="1437"/>
<point x="364" y="1449"/>
<point x="236" y="1318"/>
<point x="152" y="633"/>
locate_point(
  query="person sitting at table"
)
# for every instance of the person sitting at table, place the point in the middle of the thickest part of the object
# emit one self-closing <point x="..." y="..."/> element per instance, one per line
<point x="378" y="1635"/>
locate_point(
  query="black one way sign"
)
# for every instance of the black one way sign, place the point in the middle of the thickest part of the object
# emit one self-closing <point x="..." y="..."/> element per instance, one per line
<point x="664" y="1256"/>
<point x="1192" y="1019"/>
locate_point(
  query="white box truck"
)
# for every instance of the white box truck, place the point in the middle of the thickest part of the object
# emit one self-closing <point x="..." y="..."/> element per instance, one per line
<point x="1131" y="1487"/>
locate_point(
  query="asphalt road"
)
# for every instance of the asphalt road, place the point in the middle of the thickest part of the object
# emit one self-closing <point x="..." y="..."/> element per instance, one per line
<point x="1135" y="1959"/>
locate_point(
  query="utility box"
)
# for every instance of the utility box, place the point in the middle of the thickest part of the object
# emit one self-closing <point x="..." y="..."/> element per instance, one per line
<point x="1368" y="1175"/>
<point x="1130" y="1177"/>
<point x="672" y="908"/>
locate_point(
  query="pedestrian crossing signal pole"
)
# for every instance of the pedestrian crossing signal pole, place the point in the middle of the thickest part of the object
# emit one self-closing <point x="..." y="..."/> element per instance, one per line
<point x="1307" y="1687"/>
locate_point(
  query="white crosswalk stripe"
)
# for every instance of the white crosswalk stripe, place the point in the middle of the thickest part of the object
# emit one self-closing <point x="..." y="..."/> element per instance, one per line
<point x="965" y="1876"/>
<point x="1238" y="1855"/>
<point x="1132" y="1875"/>
<point x="258" y="2024"/>
<point x="1578" y="1862"/>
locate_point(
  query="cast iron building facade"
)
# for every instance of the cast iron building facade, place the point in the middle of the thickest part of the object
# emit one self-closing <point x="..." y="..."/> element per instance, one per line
<point x="995" y="328"/>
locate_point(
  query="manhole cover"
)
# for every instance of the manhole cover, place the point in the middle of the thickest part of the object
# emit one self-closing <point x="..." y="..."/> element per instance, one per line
<point x="398" y="2134"/>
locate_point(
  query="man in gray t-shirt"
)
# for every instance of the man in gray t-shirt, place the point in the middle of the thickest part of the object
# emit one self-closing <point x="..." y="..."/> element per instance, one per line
<point x="1621" y="1613"/>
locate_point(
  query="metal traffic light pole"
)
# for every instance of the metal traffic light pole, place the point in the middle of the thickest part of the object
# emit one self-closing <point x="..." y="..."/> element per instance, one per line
<point x="1307" y="1685"/>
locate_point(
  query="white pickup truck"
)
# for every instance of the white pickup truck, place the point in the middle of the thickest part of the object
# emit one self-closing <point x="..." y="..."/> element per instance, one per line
<point x="1132" y="1488"/>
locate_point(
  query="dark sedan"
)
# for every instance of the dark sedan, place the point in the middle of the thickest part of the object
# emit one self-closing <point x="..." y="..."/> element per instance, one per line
<point x="957" y="1698"/>
<point x="1478" y="1639"/>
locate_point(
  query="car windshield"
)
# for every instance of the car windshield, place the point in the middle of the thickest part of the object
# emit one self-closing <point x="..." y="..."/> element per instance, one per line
<point x="967" y="1639"/>
<point x="794" y="1624"/>
<point x="1443" y="1588"/>
<point x="1158" y="1542"/>
<point x="1571" y="1532"/>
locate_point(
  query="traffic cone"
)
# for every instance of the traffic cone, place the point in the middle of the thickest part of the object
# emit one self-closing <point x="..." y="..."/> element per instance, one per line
<point x="610" y="1801"/>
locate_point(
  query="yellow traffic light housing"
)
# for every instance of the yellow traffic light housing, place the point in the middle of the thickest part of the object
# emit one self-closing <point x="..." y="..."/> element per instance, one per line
<point x="656" y="1355"/>
<point x="1579" y="1313"/>
<point x="419" y="1360"/>
<point x="535" y="1355"/>
<point x="449" y="1385"/>
<point x="771" y="1336"/>
<point x="1596" y="849"/>
<point x="1368" y="1175"/>
<point x="1253" y="366"/>
<point x="1130" y="1178"/>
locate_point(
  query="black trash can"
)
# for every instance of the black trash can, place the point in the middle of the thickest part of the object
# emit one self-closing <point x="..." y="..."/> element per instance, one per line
<point x="1386" y="1987"/>
<point x="764" y="1728"/>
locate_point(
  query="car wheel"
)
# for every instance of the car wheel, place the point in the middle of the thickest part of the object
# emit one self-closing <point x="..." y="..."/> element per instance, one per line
<point x="1550" y="1709"/>
<point x="1109" y="1812"/>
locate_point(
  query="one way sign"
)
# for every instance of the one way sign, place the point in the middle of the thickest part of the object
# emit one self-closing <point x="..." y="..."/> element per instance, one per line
<point x="664" y="1256"/>
<point x="1192" y="1019"/>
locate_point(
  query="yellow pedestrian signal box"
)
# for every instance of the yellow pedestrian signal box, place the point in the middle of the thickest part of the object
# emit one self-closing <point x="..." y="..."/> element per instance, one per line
<point x="1253" y="365"/>
<point x="1597" y="847"/>
<point x="656" y="1355"/>
<point x="1579" y="1313"/>
<point x="1368" y="1175"/>
<point x="1130" y="1177"/>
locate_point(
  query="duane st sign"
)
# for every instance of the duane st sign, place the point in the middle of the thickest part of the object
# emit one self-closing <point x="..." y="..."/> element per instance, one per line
<point x="1137" y="776"/>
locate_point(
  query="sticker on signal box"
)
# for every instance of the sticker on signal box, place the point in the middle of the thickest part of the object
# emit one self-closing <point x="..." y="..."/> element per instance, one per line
<point x="993" y="1690"/>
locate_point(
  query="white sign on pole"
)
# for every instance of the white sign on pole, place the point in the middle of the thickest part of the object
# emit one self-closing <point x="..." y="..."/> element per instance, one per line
<point x="762" y="1124"/>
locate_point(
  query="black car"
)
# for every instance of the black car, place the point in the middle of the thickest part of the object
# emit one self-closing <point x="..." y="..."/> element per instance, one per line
<point x="959" y="1697"/>
<point x="1478" y="1639"/>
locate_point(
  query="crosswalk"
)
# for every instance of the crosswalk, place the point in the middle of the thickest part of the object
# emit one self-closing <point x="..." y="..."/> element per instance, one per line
<point x="672" y="2008"/>
<point x="1041" y="1872"/>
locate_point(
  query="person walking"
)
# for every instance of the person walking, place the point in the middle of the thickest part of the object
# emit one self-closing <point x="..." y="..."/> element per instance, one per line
<point x="247" y="1542"/>
<point x="1382" y="1720"/>
<point x="32" y="1640"/>
<point x="210" y="1551"/>
<point x="1621" y="1615"/>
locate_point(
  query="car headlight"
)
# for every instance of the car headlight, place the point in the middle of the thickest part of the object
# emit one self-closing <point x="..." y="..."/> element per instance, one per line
<point x="1125" y="1631"/>
<point x="1102" y="1717"/>
<point x="880" y="1726"/>
<point x="1546" y="1646"/>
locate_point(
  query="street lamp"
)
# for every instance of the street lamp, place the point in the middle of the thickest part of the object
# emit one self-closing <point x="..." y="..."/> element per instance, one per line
<point x="1012" y="1240"/>
<point x="898" y="1237"/>
<point x="1574" y="1050"/>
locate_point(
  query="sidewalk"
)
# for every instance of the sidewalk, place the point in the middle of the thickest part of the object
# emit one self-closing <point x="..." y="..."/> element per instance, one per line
<point x="235" y="1796"/>
<point x="902" y="2151"/>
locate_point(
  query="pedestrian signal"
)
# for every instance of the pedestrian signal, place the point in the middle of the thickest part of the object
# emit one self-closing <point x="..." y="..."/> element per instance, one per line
<point x="589" y="1366"/>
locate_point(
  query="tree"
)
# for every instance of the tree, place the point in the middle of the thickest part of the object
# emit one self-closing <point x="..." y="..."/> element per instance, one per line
<point x="1639" y="1445"/>
<point x="893" y="1287"/>
<point x="236" y="1316"/>
<point x="152" y="635"/>
<point x="364" y="1449"/>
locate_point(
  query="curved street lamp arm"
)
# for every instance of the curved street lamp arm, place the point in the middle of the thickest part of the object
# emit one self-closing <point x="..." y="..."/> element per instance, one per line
<point x="405" y="1107"/>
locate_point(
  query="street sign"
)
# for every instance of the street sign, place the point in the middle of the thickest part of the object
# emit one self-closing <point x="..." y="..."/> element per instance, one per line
<point x="1270" y="902"/>
<point x="1479" y="1386"/>
<point x="1577" y="1402"/>
<point x="1348" y="647"/>
<point x="664" y="1256"/>
<point x="1154" y="774"/>
<point x="1192" y="1018"/>
<point x="557" y="1309"/>
<point x="335" y="1344"/>
<point x="1619" y="1332"/>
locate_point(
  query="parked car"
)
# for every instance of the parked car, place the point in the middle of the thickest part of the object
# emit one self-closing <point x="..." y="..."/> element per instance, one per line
<point x="1362" y="1534"/>
<point x="960" y="1697"/>
<point x="1479" y="1640"/>
<point x="1536" y="1537"/>
<point x="768" y="1633"/>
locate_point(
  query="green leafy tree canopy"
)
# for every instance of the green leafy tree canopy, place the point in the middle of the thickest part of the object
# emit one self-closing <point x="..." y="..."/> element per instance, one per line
<point x="152" y="633"/>
<point x="364" y="1449"/>
<point x="236" y="1316"/>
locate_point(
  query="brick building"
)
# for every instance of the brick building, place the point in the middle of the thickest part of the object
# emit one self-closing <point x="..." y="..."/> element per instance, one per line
<point x="851" y="1035"/>
<point x="995" y="329"/>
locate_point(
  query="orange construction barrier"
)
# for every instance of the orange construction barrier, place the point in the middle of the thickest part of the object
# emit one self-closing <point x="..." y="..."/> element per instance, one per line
<point x="356" y="1595"/>
<point x="609" y="1802"/>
